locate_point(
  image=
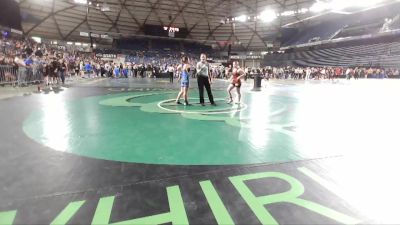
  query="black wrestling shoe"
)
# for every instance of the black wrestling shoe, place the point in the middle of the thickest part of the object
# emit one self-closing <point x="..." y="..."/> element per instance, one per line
<point x="178" y="103"/>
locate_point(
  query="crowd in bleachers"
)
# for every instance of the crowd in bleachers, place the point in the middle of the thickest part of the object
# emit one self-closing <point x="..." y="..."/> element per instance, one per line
<point x="316" y="73"/>
<point x="26" y="61"/>
<point x="156" y="59"/>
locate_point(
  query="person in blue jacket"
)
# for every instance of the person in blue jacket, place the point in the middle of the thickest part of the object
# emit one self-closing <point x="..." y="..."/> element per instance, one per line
<point x="125" y="71"/>
<point x="116" y="71"/>
<point x="88" y="68"/>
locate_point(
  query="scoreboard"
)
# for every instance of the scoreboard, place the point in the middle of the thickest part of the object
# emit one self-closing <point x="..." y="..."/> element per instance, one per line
<point x="165" y="31"/>
<point x="171" y="31"/>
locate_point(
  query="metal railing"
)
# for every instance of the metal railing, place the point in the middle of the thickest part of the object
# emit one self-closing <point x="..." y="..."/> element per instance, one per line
<point x="12" y="75"/>
<point x="8" y="75"/>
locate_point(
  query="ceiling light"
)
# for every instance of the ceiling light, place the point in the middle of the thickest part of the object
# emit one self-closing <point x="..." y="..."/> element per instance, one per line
<point x="302" y="10"/>
<point x="288" y="13"/>
<point x="337" y="5"/>
<point x="37" y="39"/>
<point x="241" y="18"/>
<point x="81" y="1"/>
<point x="268" y="15"/>
<point x="105" y="7"/>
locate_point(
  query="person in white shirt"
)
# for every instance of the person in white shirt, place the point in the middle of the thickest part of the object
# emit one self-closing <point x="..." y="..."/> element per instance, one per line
<point x="204" y="79"/>
<point x="323" y="73"/>
<point x="20" y="61"/>
<point x="171" y="70"/>
<point x="82" y="68"/>
<point x="348" y="73"/>
<point x="308" y="73"/>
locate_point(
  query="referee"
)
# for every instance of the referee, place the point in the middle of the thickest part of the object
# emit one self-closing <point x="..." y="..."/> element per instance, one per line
<point x="171" y="70"/>
<point x="204" y="80"/>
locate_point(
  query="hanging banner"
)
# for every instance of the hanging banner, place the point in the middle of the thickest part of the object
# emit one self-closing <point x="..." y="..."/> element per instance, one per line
<point x="106" y="56"/>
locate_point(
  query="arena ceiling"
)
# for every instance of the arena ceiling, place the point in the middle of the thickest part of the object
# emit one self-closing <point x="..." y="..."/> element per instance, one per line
<point x="204" y="19"/>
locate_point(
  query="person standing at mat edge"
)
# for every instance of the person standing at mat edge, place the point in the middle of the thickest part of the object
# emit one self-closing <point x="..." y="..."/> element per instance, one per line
<point x="184" y="78"/>
<point x="171" y="71"/>
<point x="204" y="80"/>
<point x="237" y="75"/>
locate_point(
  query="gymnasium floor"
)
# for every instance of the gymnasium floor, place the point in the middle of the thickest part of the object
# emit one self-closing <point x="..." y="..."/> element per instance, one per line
<point x="120" y="152"/>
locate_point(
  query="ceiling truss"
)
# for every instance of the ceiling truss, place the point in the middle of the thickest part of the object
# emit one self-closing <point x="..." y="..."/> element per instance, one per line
<point x="204" y="19"/>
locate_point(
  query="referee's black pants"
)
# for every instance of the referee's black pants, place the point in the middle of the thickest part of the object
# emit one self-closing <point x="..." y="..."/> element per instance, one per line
<point x="203" y="81"/>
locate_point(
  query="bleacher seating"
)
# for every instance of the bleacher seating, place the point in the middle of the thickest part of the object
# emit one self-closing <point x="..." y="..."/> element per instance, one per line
<point x="361" y="27"/>
<point x="166" y="45"/>
<point x="134" y="44"/>
<point x="322" y="31"/>
<point x="159" y="51"/>
<point x="333" y="26"/>
<point x="196" y="48"/>
<point x="378" y="54"/>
